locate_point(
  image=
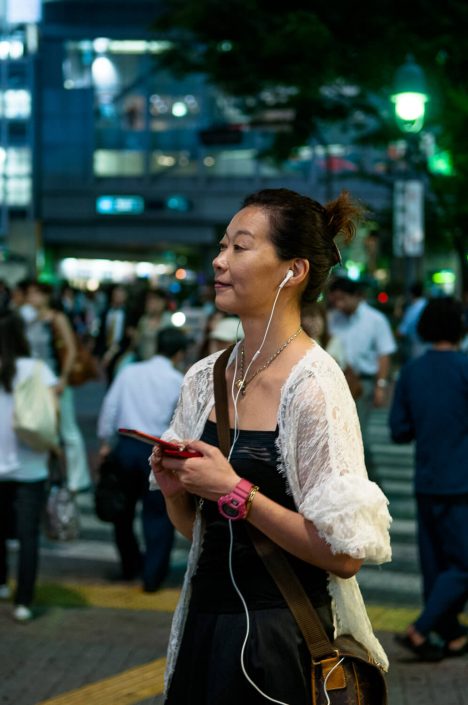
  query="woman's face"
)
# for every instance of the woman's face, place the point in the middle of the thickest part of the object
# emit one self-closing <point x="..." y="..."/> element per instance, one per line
<point x="247" y="269"/>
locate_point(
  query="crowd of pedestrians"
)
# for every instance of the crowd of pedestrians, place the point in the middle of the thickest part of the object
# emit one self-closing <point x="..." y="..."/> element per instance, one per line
<point x="140" y="360"/>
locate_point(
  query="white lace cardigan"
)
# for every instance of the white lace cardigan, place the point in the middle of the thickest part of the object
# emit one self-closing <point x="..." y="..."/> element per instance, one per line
<point x="321" y="455"/>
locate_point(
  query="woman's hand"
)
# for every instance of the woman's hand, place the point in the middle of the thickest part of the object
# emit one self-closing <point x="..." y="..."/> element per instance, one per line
<point x="168" y="482"/>
<point x="210" y="476"/>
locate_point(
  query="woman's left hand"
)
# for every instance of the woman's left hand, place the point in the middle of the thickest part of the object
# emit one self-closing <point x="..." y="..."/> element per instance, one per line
<point x="210" y="476"/>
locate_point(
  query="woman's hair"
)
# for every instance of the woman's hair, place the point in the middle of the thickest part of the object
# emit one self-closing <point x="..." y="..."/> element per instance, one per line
<point x="302" y="227"/>
<point x="442" y="320"/>
<point x="13" y="344"/>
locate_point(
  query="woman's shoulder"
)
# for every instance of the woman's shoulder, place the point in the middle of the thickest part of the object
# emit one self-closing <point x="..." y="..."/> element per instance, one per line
<point x="203" y="366"/>
<point x="202" y="370"/>
<point x="316" y="363"/>
<point x="317" y="377"/>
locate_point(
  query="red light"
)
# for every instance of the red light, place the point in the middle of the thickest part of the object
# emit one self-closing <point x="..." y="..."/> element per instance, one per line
<point x="382" y="297"/>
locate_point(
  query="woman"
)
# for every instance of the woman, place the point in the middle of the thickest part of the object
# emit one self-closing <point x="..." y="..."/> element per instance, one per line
<point x="51" y="339"/>
<point x="153" y="319"/>
<point x="23" y="472"/>
<point x="296" y="437"/>
<point x="430" y="406"/>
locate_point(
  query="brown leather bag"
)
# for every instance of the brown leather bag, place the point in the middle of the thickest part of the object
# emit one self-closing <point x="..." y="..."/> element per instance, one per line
<point x="342" y="672"/>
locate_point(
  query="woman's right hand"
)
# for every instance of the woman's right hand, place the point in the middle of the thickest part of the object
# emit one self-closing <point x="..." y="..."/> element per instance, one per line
<point x="168" y="482"/>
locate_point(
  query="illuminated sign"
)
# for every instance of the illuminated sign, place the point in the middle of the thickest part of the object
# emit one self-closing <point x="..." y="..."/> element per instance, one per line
<point x="120" y="205"/>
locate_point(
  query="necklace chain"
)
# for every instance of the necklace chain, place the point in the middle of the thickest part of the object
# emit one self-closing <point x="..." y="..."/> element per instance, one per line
<point x="241" y="382"/>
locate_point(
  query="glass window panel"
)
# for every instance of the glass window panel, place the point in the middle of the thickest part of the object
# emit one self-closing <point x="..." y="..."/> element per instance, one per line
<point x="111" y="162"/>
<point x="16" y="104"/>
<point x="18" y="161"/>
<point x="173" y="163"/>
<point x="232" y="162"/>
<point x="18" y="191"/>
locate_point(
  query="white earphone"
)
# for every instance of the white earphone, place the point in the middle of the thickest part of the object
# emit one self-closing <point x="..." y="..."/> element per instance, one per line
<point x="288" y="276"/>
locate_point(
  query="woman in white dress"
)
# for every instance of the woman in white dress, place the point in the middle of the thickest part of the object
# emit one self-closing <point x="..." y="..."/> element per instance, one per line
<point x="295" y="472"/>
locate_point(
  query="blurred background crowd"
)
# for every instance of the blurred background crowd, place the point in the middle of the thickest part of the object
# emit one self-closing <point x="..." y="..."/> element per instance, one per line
<point x="129" y="137"/>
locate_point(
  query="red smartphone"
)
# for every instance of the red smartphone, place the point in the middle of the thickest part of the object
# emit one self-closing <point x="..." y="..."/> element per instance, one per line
<point x="167" y="448"/>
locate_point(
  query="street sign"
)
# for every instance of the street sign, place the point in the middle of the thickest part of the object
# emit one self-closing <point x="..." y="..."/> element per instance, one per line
<point x="408" y="218"/>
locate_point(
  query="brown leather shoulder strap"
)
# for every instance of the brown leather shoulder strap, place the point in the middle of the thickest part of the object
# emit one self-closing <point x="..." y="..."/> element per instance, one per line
<point x="221" y="402"/>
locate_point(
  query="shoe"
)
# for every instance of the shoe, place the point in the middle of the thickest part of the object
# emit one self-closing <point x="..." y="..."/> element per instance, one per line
<point x="453" y="653"/>
<point x="22" y="614"/>
<point x="5" y="592"/>
<point x="426" y="651"/>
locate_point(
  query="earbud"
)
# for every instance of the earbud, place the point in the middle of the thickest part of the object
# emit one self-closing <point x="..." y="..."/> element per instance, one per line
<point x="288" y="276"/>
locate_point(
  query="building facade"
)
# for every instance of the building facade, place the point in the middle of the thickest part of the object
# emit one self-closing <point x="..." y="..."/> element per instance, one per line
<point x="128" y="162"/>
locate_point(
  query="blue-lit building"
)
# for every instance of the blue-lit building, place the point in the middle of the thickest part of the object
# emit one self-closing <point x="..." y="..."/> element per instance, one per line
<point x="120" y="160"/>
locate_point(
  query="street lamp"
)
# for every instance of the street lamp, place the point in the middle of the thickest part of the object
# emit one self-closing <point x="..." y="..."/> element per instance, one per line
<point x="409" y="97"/>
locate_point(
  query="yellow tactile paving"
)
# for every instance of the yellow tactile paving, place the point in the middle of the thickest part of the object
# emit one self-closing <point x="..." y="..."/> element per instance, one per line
<point x="111" y="596"/>
<point x="389" y="619"/>
<point x="127" y="688"/>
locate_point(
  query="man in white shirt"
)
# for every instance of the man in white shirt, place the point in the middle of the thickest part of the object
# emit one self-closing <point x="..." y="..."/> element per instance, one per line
<point x="368" y="343"/>
<point x="143" y="397"/>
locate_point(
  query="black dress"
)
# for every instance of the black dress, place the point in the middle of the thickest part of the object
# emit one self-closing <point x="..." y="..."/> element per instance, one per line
<point x="208" y="669"/>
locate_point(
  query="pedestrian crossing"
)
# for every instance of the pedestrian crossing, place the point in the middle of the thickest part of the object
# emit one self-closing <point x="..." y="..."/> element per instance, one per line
<point x="398" y="582"/>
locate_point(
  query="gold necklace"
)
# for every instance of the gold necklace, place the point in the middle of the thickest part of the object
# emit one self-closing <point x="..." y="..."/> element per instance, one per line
<point x="242" y="383"/>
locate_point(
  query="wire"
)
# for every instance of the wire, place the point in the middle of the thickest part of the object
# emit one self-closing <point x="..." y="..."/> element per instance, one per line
<point x="327" y="677"/>
<point x="235" y="399"/>
<point x="247" y="619"/>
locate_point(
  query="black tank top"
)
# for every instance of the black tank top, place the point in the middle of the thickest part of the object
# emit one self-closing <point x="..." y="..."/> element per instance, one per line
<point x="255" y="457"/>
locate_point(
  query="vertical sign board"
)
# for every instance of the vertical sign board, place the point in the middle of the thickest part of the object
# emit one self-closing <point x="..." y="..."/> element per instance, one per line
<point x="408" y="218"/>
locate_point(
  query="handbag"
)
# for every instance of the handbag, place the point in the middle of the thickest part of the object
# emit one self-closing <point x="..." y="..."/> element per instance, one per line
<point x="342" y="672"/>
<point x="85" y="366"/>
<point x="62" y="515"/>
<point x="35" y="418"/>
<point x="110" y="500"/>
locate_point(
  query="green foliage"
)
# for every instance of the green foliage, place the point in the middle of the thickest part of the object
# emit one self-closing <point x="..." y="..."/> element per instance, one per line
<point x="248" y="46"/>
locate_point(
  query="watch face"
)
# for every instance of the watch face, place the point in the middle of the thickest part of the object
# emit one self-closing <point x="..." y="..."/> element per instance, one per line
<point x="231" y="511"/>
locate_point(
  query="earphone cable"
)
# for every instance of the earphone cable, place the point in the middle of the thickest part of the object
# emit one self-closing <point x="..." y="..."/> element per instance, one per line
<point x="235" y="399"/>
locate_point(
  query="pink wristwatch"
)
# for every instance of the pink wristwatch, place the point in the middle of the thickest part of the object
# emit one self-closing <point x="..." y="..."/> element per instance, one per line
<point x="234" y="505"/>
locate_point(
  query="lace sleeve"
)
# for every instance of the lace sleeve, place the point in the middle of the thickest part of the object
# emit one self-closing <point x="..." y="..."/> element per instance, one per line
<point x="331" y="486"/>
